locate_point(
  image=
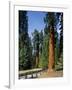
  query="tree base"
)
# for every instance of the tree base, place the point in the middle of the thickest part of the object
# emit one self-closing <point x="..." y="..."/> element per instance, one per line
<point x="51" y="70"/>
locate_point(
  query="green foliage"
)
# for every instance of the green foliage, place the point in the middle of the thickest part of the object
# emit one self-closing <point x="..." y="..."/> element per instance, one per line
<point x="35" y="40"/>
<point x="50" y="19"/>
<point x="56" y="47"/>
<point x="25" y="47"/>
<point x="40" y="41"/>
<point x="24" y="58"/>
<point x="44" y="54"/>
<point x="61" y="36"/>
<point x="35" y="46"/>
<point x="56" y="53"/>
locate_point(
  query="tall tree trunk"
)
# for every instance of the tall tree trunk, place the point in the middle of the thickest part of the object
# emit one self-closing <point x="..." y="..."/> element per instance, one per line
<point x="37" y="61"/>
<point x="37" y="56"/>
<point x="51" y="51"/>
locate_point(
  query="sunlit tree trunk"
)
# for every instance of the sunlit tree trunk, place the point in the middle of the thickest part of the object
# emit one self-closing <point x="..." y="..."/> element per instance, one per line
<point x="51" y="58"/>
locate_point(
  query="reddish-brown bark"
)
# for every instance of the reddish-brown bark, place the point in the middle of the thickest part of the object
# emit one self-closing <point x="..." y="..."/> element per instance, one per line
<point x="51" y="52"/>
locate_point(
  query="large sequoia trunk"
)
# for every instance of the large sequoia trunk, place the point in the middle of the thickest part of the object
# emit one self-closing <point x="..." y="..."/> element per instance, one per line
<point x="51" y="51"/>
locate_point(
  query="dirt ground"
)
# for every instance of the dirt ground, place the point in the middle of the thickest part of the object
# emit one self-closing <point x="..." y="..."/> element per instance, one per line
<point x="46" y="74"/>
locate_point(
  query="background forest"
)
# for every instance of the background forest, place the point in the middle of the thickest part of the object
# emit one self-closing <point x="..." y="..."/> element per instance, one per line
<point x="43" y="48"/>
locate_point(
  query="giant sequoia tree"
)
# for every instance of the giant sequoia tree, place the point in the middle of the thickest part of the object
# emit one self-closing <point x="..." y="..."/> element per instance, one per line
<point x="24" y="42"/>
<point x="51" y="21"/>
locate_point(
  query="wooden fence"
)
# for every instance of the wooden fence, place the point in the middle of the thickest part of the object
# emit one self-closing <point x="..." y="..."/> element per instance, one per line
<point x="32" y="73"/>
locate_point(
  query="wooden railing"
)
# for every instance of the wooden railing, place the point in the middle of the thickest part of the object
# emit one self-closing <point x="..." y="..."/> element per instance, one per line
<point x="31" y="72"/>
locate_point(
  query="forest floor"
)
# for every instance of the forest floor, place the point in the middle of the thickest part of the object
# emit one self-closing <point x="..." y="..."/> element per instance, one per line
<point x="58" y="72"/>
<point x="46" y="74"/>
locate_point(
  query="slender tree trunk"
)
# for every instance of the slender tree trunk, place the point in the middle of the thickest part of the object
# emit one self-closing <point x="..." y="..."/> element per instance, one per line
<point x="51" y="51"/>
<point x="37" y="61"/>
<point x="37" y="57"/>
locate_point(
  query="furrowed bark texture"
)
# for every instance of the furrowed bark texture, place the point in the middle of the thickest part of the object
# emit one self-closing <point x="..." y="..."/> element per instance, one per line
<point x="51" y="51"/>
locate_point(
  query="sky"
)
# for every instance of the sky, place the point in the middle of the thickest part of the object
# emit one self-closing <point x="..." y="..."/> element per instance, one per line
<point x="35" y="21"/>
